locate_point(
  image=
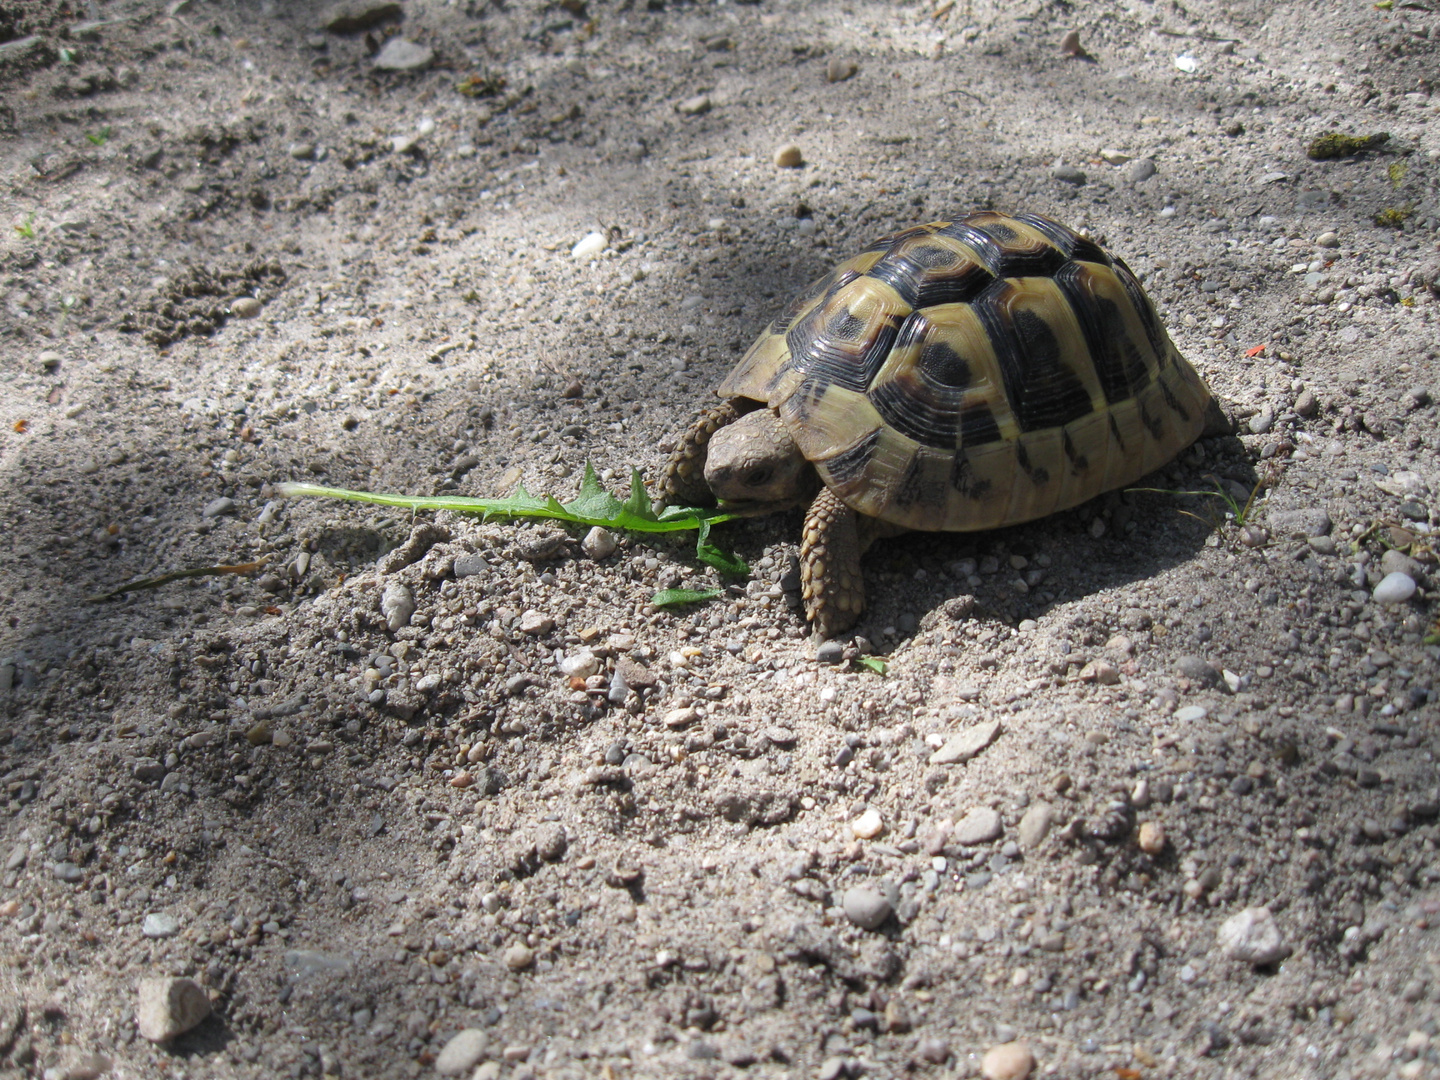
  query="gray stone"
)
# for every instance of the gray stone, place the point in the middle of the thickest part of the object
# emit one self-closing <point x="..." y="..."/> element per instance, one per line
<point x="865" y="907"/>
<point x="1068" y="174"/>
<point x="599" y="543"/>
<point x="158" y="924"/>
<point x="980" y="825"/>
<point x="1394" y="588"/>
<point x="402" y="55"/>
<point x="1140" y="170"/>
<point x="966" y="744"/>
<point x="830" y="652"/>
<point x="169" y="1007"/>
<point x="350" y="16"/>
<point x="1305" y="522"/>
<point x="216" y="507"/>
<point x="469" y="565"/>
<point x="1252" y="936"/>
<point x="1035" y="824"/>
<point x="1195" y="667"/>
<point x="1397" y="562"/>
<point x="462" y="1052"/>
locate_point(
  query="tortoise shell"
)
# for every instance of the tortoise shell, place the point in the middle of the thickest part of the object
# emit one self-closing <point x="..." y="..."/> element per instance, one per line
<point x="975" y="373"/>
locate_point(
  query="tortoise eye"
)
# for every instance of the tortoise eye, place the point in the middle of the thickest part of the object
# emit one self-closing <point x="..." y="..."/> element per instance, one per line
<point x="759" y="477"/>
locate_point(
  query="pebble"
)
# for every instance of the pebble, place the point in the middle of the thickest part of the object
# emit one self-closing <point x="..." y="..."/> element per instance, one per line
<point x="1140" y="170"/>
<point x="1070" y="44"/>
<point x="865" y="907"/>
<point x="966" y="744"/>
<point x="830" y="652"/>
<point x="402" y="55"/>
<point x="789" y="156"/>
<point x="1152" y="838"/>
<point x="682" y="717"/>
<point x="1008" y="1061"/>
<point x="1262" y="422"/>
<point x="694" y="106"/>
<point x="1035" y="824"/>
<point x="840" y="68"/>
<point x="1394" y="561"/>
<point x="397" y="605"/>
<point x="1328" y="240"/>
<point x="462" y="1052"/>
<point x="599" y="543"/>
<point x="536" y="623"/>
<point x="1304" y="522"/>
<point x="868" y="825"/>
<point x="589" y="247"/>
<point x="1307" y="404"/>
<point x="1191" y="714"/>
<point x="160" y="925"/>
<point x="169" y="1007"/>
<point x="470" y="564"/>
<point x="1252" y="936"/>
<point x="218" y="507"/>
<point x="519" y="956"/>
<point x="580" y="665"/>
<point x="1100" y="672"/>
<point x="348" y="16"/>
<point x="980" y="825"/>
<point x="1114" y="157"/>
<point x="1394" y="588"/>
<point x="1068" y="174"/>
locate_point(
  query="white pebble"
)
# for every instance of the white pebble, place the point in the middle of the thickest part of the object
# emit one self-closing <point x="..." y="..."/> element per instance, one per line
<point x="789" y="156"/>
<point x="1394" y="588"/>
<point x="1008" y="1061"/>
<point x="580" y="664"/>
<point x="599" y="543"/>
<point x="1252" y="936"/>
<point x="397" y="605"/>
<point x="588" y="248"/>
<point x="868" y="825"/>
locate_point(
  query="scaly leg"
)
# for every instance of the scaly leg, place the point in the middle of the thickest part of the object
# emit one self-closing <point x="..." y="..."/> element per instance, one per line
<point x="830" y="579"/>
<point x="683" y="481"/>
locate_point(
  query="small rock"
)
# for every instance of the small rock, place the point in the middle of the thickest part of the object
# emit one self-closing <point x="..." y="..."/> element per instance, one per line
<point x="590" y="246"/>
<point x="1397" y="562"/>
<point x="462" y="1052"/>
<point x="830" y="652"/>
<point x="868" y="825"/>
<point x="218" y="507"/>
<point x="160" y="925"/>
<point x="1307" y="404"/>
<point x="1114" y="157"/>
<point x="599" y="543"/>
<point x="519" y="956"/>
<point x="1068" y="174"/>
<point x="402" y="55"/>
<point x="580" y="664"/>
<point x="49" y="360"/>
<point x="682" y="717"/>
<point x="1252" y="936"/>
<point x="351" y="15"/>
<point x="963" y="746"/>
<point x="1303" y="523"/>
<point x="1395" y="588"/>
<point x="1152" y="838"/>
<point x="789" y="157"/>
<point x="1035" y="824"/>
<point x="865" y="907"/>
<point x="1070" y="44"/>
<point x="1191" y="714"/>
<point x="980" y="825"/>
<point x="470" y="564"/>
<point x="1262" y="422"/>
<point x="840" y="68"/>
<point x="1328" y="240"/>
<point x="397" y="605"/>
<point x="1195" y="667"/>
<point x="1140" y="170"/>
<point x="1008" y="1061"/>
<point x="536" y="623"/>
<point x="169" y="1007"/>
<point x="1100" y="672"/>
<point x="694" y="106"/>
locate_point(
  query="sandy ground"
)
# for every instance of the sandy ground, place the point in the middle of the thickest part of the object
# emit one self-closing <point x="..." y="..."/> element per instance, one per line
<point x="384" y="790"/>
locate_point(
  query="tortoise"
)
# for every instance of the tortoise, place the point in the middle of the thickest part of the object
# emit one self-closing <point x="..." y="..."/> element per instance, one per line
<point x="959" y="376"/>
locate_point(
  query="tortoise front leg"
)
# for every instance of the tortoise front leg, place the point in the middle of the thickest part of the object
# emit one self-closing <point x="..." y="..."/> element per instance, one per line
<point x="830" y="579"/>
<point x="683" y="481"/>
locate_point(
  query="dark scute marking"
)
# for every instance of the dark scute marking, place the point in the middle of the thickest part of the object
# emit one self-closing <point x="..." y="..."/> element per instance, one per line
<point x="846" y="466"/>
<point x="1115" y="431"/>
<point x="820" y="287"/>
<point x="1151" y="321"/>
<point x="906" y="405"/>
<point x="1070" y="242"/>
<point x="962" y="478"/>
<point x="1038" y="474"/>
<point x="1119" y="363"/>
<point x="1153" y="424"/>
<point x="913" y="409"/>
<point x="1043" y="392"/>
<point x="912" y="488"/>
<point x="846" y="326"/>
<point x="926" y="274"/>
<point x="1007" y="255"/>
<point x="831" y="354"/>
<point x="1174" y="402"/>
<point x="943" y="366"/>
<point x="978" y="426"/>
<point x="1077" y="460"/>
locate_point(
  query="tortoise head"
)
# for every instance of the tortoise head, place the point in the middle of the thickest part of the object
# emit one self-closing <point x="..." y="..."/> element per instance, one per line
<point x="753" y="463"/>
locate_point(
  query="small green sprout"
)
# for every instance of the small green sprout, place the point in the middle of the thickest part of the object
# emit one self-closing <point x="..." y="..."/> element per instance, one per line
<point x="99" y="138"/>
<point x="27" y="227"/>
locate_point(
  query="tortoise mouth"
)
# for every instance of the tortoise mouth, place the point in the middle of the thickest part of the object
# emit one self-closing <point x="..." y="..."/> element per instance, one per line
<point x="748" y="508"/>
